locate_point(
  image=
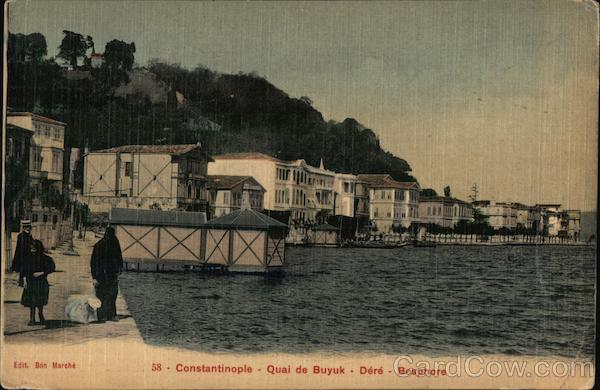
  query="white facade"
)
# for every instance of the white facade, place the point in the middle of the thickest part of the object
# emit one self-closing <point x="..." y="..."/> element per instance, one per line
<point x="444" y="211"/>
<point x="345" y="192"/>
<point x="230" y="193"/>
<point x="500" y="215"/>
<point x="47" y="146"/>
<point x="392" y="204"/>
<point x="290" y="185"/>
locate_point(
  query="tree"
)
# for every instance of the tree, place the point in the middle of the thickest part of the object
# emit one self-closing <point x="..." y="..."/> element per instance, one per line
<point x="26" y="48"/>
<point x="425" y="192"/>
<point x="73" y="47"/>
<point x="479" y="217"/>
<point x="118" y="61"/>
<point x="119" y="55"/>
<point x="447" y="191"/>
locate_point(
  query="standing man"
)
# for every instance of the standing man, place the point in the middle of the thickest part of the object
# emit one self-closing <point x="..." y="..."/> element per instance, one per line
<point x="106" y="266"/>
<point x="23" y="249"/>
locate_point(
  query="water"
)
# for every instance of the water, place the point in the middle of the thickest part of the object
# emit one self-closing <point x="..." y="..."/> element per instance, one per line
<point x="434" y="301"/>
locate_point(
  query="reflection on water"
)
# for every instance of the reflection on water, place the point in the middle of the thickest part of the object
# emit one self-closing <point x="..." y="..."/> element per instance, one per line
<point x="435" y="301"/>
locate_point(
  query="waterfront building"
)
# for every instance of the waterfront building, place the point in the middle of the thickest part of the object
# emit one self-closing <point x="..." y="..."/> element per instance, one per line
<point x="392" y="204"/>
<point x="574" y="224"/>
<point x="162" y="177"/>
<point x="17" y="148"/>
<point x="46" y="151"/>
<point x="228" y="193"/>
<point x="321" y="194"/>
<point x="291" y="186"/>
<point x="500" y="215"/>
<point x="528" y="217"/>
<point x="361" y="200"/>
<point x="345" y="194"/>
<point x="444" y="211"/>
<point x="553" y="219"/>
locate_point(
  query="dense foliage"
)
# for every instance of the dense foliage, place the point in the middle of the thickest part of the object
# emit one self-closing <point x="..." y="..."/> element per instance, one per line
<point x="117" y="103"/>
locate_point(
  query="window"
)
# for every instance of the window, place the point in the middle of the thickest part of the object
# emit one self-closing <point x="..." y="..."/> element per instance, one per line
<point x="346" y="187"/>
<point x="226" y="197"/>
<point x="128" y="168"/>
<point x="10" y="147"/>
<point x="56" y="163"/>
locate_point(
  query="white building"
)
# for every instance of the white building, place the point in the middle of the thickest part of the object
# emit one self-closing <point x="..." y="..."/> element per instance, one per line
<point x="392" y="204"/>
<point x="345" y="194"/>
<point x="230" y="193"/>
<point x="46" y="150"/>
<point x="164" y="177"/>
<point x="499" y="214"/>
<point x="292" y="186"/>
<point x="444" y="211"/>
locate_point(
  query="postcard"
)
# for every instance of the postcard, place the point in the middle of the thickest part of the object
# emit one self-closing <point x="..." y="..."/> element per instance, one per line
<point x="299" y="195"/>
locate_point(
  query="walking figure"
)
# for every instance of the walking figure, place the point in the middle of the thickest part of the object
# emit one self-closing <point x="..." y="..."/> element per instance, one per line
<point x="107" y="265"/>
<point x="23" y="249"/>
<point x="34" y="270"/>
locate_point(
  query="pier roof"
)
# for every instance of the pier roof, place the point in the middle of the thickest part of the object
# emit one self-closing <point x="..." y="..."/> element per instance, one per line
<point x="245" y="219"/>
<point x="120" y="216"/>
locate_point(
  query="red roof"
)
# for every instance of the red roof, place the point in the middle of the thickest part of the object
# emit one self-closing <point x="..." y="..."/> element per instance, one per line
<point x="227" y="182"/>
<point x="36" y="116"/>
<point x="173" y="150"/>
<point x="246" y="156"/>
<point x="385" y="181"/>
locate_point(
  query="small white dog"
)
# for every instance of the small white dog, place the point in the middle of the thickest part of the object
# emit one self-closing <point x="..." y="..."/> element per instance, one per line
<point x="82" y="308"/>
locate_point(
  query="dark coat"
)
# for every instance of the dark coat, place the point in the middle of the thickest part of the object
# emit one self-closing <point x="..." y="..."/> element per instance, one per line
<point x="22" y="251"/>
<point x="107" y="260"/>
<point x="36" y="292"/>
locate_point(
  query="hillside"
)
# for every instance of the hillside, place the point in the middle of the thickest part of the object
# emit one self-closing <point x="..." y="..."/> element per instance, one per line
<point x="118" y="103"/>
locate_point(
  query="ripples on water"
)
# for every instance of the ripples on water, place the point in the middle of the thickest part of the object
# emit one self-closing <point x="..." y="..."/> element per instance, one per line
<point x="434" y="301"/>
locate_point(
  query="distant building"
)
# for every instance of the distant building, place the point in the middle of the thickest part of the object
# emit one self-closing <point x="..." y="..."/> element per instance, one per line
<point x="96" y="60"/>
<point x="444" y="211"/>
<point x="553" y="220"/>
<point x="392" y="204"/>
<point x="499" y="214"/>
<point x="361" y="199"/>
<point x="528" y="218"/>
<point x="345" y="194"/>
<point x="574" y="224"/>
<point x="17" y="148"/>
<point x="229" y="193"/>
<point x="291" y="186"/>
<point x="46" y="150"/>
<point x="165" y="177"/>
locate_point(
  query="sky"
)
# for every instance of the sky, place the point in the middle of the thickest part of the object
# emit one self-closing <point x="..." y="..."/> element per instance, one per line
<point x="499" y="93"/>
